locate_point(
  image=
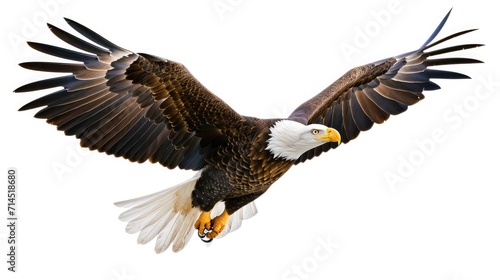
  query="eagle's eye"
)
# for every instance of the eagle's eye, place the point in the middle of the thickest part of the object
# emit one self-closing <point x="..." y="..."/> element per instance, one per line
<point x="314" y="131"/>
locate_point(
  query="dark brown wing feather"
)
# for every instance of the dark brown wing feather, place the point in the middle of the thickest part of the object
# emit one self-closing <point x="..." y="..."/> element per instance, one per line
<point x="131" y="105"/>
<point x="371" y="93"/>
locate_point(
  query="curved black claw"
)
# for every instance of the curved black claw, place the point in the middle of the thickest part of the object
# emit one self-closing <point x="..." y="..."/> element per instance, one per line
<point x="204" y="237"/>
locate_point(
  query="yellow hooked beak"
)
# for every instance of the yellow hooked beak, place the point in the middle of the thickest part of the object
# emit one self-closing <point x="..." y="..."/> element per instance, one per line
<point x="331" y="135"/>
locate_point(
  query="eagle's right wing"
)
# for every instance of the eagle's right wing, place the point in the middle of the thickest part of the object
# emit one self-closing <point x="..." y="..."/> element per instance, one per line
<point x="131" y="105"/>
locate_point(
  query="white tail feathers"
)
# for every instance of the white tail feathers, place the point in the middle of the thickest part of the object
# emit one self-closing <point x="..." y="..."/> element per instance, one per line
<point x="169" y="216"/>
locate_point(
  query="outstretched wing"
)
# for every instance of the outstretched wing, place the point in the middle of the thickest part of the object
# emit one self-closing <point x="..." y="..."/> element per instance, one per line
<point x="371" y="93"/>
<point x="131" y="105"/>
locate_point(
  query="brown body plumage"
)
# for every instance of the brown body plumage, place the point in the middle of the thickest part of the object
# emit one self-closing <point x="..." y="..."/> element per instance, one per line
<point x="142" y="107"/>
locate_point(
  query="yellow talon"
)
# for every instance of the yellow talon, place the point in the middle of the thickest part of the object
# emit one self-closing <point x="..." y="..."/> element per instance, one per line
<point x="203" y="223"/>
<point x="218" y="224"/>
<point x="211" y="228"/>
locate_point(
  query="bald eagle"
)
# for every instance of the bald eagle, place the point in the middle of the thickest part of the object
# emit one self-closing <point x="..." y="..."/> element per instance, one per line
<point x="143" y="107"/>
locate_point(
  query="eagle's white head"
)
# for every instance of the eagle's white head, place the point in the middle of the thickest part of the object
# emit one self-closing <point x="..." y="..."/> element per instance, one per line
<point x="290" y="139"/>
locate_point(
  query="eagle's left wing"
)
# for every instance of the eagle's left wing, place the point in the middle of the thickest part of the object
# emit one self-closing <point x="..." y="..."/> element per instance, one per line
<point x="371" y="93"/>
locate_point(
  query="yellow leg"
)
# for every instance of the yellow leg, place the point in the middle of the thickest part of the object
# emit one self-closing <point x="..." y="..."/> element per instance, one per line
<point x="218" y="224"/>
<point x="203" y="222"/>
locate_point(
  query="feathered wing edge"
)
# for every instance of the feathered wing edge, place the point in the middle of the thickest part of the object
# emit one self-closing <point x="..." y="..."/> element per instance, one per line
<point x="135" y="106"/>
<point x="371" y="93"/>
<point x="169" y="216"/>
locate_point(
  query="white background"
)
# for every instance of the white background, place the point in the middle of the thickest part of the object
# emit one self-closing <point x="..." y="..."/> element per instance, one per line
<point x="441" y="221"/>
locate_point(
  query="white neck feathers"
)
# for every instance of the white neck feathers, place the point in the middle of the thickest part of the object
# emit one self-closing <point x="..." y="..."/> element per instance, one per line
<point x="286" y="140"/>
